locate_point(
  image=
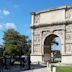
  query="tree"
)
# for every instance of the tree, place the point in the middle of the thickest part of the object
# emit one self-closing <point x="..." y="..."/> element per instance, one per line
<point x="52" y="50"/>
<point x="1" y="50"/>
<point x="56" y="53"/>
<point x="15" y="43"/>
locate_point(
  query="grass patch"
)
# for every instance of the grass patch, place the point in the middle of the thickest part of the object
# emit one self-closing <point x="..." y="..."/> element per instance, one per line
<point x="17" y="62"/>
<point x="64" y="69"/>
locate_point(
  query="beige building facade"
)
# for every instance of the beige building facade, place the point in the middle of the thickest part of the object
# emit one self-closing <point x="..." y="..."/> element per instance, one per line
<point x="47" y="25"/>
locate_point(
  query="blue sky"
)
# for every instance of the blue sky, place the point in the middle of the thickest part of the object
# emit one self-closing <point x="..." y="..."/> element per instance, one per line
<point x="16" y="13"/>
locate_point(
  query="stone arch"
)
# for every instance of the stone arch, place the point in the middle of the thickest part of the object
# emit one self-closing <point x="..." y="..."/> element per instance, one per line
<point x="61" y="35"/>
<point x="53" y="21"/>
<point x="48" y="40"/>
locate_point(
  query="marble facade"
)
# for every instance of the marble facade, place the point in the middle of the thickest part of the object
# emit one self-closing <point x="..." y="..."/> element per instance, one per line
<point x="57" y="21"/>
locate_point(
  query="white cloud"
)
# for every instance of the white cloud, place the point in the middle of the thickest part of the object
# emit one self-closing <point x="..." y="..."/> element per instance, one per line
<point x="4" y="26"/>
<point x="1" y="26"/>
<point x="6" y="12"/>
<point x="10" y="25"/>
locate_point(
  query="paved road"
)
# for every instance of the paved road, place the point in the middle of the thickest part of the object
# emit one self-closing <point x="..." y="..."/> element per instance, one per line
<point x="34" y="68"/>
<point x="38" y="70"/>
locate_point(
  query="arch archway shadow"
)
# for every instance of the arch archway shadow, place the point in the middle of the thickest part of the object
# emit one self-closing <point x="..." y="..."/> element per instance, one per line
<point x="52" y="48"/>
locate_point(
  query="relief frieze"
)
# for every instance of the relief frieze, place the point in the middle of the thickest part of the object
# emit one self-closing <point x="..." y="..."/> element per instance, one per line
<point x="37" y="48"/>
<point x="37" y="38"/>
<point x="68" y="13"/>
<point x="68" y="37"/>
<point x="69" y="28"/>
<point x="68" y="48"/>
<point x="37" y="18"/>
<point x="44" y="33"/>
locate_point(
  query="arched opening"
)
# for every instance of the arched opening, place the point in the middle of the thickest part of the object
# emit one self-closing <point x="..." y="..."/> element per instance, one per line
<point x="52" y="48"/>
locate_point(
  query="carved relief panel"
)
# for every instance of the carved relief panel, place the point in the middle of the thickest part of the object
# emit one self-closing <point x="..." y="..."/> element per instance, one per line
<point x="68" y="13"/>
<point x="45" y="33"/>
<point x="37" y="48"/>
<point x="61" y="34"/>
<point x="69" y="28"/>
<point x="69" y="48"/>
<point x="37" y="18"/>
<point x="69" y="37"/>
<point x="36" y="42"/>
<point x="36" y="38"/>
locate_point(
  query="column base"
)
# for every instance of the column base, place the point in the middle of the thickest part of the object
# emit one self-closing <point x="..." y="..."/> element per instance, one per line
<point x="36" y="59"/>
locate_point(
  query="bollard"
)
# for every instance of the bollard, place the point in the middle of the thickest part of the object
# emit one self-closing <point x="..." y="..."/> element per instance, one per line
<point x="53" y="68"/>
<point x="49" y="66"/>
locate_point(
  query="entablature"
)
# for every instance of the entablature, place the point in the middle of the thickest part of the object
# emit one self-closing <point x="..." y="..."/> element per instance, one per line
<point x="52" y="24"/>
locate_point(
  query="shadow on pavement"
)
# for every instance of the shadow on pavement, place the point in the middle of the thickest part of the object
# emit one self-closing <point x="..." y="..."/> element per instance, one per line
<point x="18" y="68"/>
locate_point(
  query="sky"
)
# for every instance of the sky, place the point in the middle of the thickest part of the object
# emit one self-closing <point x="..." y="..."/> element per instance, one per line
<point x="17" y="13"/>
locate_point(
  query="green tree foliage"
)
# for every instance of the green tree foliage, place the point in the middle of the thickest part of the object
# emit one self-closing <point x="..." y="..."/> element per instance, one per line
<point x="57" y="53"/>
<point x="15" y="43"/>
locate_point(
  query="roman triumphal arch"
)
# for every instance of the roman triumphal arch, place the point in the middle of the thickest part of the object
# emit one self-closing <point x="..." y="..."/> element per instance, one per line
<point x="48" y="24"/>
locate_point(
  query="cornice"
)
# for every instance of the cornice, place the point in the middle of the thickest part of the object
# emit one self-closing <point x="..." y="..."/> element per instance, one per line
<point x="52" y="9"/>
<point x="67" y="55"/>
<point x="51" y="24"/>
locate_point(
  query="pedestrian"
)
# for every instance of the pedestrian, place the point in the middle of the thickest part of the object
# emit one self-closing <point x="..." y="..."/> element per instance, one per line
<point x="29" y="62"/>
<point x="7" y="62"/>
<point x="1" y="65"/>
<point x="24" y="62"/>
